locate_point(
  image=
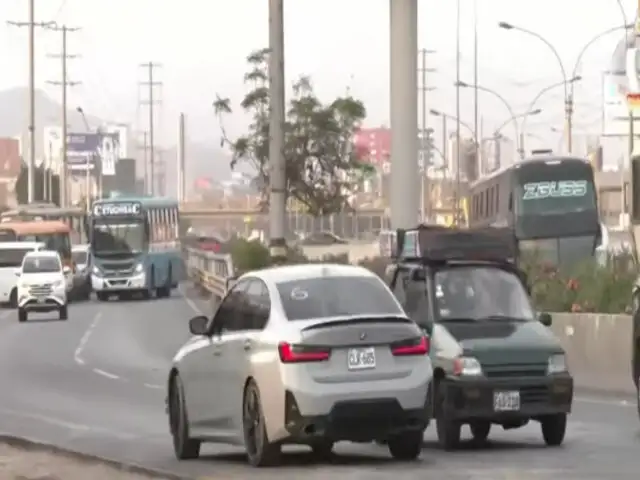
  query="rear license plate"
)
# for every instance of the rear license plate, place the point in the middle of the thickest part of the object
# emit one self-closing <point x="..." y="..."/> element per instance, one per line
<point x="506" y="401"/>
<point x="361" y="358"/>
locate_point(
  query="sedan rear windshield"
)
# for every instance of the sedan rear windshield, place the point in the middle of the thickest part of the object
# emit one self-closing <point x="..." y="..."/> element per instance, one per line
<point x="336" y="296"/>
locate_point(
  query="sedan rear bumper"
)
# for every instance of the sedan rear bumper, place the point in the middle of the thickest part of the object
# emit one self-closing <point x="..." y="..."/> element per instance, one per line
<point x="355" y="420"/>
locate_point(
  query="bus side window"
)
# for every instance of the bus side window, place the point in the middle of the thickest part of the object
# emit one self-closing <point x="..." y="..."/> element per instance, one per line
<point x="511" y="202"/>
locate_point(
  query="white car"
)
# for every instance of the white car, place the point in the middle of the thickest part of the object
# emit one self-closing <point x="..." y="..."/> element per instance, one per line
<point x="11" y="255"/>
<point x="304" y="354"/>
<point x="42" y="285"/>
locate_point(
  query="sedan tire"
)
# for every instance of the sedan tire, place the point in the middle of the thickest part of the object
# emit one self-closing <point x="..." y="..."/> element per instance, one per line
<point x="184" y="447"/>
<point x="406" y="446"/>
<point x="260" y="451"/>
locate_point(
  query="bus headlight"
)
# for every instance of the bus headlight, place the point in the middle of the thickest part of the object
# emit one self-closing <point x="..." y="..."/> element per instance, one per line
<point x="96" y="271"/>
<point x="139" y="268"/>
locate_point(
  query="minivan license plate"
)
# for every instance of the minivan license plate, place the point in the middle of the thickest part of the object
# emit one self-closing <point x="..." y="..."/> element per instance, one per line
<point x="361" y="358"/>
<point x="506" y="401"/>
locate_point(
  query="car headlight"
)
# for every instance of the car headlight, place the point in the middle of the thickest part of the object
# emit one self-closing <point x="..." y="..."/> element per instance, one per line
<point x="557" y="364"/>
<point x="467" y="366"/>
<point x="139" y="268"/>
<point x="58" y="284"/>
<point x="23" y="286"/>
<point x="96" y="270"/>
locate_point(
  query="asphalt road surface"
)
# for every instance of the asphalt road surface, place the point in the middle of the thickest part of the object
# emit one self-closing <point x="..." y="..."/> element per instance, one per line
<point x="95" y="383"/>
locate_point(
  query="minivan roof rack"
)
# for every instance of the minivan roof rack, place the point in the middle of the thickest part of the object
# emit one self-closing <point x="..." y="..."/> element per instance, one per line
<point x="435" y="243"/>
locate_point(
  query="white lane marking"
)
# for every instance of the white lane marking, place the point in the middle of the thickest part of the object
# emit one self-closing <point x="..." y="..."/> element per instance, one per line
<point x="190" y="302"/>
<point x="154" y="387"/>
<point x="77" y="356"/>
<point x="605" y="402"/>
<point x="106" y="374"/>
<point x="66" y="424"/>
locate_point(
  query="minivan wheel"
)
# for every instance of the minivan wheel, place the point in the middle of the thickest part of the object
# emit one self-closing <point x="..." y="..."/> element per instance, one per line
<point x="480" y="430"/>
<point x="554" y="428"/>
<point x="448" y="429"/>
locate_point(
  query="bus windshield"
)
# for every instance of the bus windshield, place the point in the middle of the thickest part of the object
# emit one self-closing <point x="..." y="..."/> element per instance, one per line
<point x="118" y="236"/>
<point x="553" y="188"/>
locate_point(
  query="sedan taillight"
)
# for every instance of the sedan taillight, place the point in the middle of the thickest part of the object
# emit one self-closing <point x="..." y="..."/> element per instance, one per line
<point x="290" y="353"/>
<point x="415" y="346"/>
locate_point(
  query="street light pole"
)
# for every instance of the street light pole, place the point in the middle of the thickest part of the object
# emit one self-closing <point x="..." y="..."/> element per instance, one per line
<point x="503" y="100"/>
<point x="572" y="81"/>
<point x="567" y="83"/>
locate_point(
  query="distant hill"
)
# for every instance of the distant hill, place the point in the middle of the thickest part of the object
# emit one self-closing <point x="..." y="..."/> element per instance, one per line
<point x="202" y="160"/>
<point x="14" y="115"/>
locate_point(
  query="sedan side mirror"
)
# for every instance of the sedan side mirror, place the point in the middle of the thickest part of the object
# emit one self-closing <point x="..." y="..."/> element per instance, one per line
<point x="545" y="319"/>
<point x="198" y="325"/>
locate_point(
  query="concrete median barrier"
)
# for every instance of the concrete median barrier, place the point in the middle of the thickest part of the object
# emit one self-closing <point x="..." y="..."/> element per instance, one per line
<point x="598" y="350"/>
<point x="356" y="251"/>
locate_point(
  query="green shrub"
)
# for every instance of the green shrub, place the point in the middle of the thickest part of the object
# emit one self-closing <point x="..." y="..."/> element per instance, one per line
<point x="588" y="287"/>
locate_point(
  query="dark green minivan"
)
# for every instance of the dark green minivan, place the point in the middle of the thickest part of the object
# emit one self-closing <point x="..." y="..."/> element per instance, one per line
<point x="495" y="360"/>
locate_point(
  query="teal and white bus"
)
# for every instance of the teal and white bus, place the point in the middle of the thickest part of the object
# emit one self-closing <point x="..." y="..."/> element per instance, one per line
<point x="134" y="245"/>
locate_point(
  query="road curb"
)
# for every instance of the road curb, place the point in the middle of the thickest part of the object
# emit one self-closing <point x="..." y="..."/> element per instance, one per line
<point x="130" y="467"/>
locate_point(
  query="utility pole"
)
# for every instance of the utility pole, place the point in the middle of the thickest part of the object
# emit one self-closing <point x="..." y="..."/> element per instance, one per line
<point x="64" y="82"/>
<point x="145" y="159"/>
<point x="181" y="159"/>
<point x="277" y="160"/>
<point x="150" y="83"/>
<point x="456" y="196"/>
<point x="31" y="24"/>
<point x="425" y="189"/>
<point x="476" y="80"/>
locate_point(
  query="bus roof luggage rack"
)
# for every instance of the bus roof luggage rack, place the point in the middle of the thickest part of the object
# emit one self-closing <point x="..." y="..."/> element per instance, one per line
<point x="434" y="243"/>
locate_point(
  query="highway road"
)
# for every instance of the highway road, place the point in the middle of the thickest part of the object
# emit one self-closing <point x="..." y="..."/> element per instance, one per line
<point x="96" y="384"/>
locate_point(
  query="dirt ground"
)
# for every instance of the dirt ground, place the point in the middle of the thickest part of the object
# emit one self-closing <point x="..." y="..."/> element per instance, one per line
<point x="18" y="464"/>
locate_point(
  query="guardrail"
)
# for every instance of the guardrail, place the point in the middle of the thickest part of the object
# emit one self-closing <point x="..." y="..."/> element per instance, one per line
<point x="598" y="346"/>
<point x="212" y="272"/>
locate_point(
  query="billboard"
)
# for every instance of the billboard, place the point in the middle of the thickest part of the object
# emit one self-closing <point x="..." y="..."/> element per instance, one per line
<point x="85" y="151"/>
<point x="122" y="132"/>
<point x="616" y="109"/>
<point x="373" y="145"/>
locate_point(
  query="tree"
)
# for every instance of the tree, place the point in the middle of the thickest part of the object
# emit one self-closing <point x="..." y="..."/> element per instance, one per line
<point x="322" y="167"/>
<point x="22" y="186"/>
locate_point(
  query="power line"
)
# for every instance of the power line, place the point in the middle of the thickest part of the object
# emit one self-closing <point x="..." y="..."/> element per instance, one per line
<point x="31" y="24"/>
<point x="64" y="82"/>
<point x="151" y="83"/>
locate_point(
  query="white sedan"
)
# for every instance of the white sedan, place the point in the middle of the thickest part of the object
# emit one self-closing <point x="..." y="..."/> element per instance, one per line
<point x="305" y="354"/>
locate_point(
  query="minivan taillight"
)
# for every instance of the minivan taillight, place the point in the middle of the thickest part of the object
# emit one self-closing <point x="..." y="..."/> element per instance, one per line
<point x="416" y="346"/>
<point x="290" y="353"/>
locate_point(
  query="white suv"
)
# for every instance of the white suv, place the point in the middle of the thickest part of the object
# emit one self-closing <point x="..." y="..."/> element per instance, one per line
<point x="42" y="284"/>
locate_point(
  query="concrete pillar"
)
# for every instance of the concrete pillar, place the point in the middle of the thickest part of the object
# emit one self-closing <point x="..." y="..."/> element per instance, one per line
<point x="403" y="33"/>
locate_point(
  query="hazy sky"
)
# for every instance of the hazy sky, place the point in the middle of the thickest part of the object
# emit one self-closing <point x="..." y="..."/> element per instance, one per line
<point x="202" y="45"/>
